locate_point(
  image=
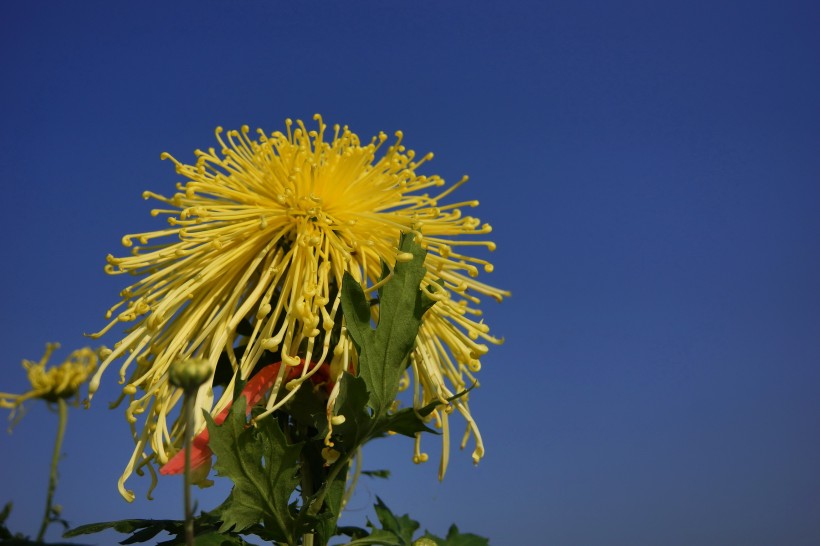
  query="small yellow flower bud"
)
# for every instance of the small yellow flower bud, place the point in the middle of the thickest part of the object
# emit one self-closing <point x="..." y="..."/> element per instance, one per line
<point x="424" y="541"/>
<point x="189" y="373"/>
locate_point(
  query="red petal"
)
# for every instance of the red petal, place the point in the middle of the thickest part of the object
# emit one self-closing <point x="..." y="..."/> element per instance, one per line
<point x="253" y="392"/>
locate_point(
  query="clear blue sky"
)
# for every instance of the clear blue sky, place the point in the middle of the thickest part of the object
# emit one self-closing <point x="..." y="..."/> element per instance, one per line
<point x="652" y="172"/>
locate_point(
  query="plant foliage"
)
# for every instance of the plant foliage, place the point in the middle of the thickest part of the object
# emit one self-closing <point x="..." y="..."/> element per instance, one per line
<point x="284" y="488"/>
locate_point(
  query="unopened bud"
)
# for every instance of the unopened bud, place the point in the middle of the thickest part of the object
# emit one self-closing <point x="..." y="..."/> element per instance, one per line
<point x="189" y="373"/>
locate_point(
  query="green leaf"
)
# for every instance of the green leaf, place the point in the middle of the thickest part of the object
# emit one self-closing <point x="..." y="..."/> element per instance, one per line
<point x="352" y="404"/>
<point x="395" y="531"/>
<point x="384" y="474"/>
<point x="263" y="468"/>
<point x="403" y="527"/>
<point x="409" y="421"/>
<point x="457" y="538"/>
<point x="406" y="422"/>
<point x="218" y="539"/>
<point x="351" y="531"/>
<point x="149" y="532"/>
<point x="4" y="515"/>
<point x="383" y="352"/>
<point x="379" y="537"/>
<point x="17" y="541"/>
<point x="399" y="531"/>
<point x="205" y="531"/>
<point x="122" y="526"/>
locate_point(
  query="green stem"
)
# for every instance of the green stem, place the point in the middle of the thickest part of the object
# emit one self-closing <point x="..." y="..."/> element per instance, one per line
<point x="320" y="500"/>
<point x="338" y="465"/>
<point x="189" y="435"/>
<point x="62" y="409"/>
<point x="355" y="479"/>
<point x="307" y="482"/>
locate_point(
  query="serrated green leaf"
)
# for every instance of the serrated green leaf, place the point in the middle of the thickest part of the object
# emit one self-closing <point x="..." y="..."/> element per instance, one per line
<point x="383" y="474"/>
<point x="378" y="537"/>
<point x="4" y="515"/>
<point x="383" y="352"/>
<point x="402" y="526"/>
<point x="399" y="531"/>
<point x="17" y="541"/>
<point x="218" y="539"/>
<point x="143" y="530"/>
<point x="351" y="531"/>
<point x="263" y="468"/>
<point x="457" y="538"/>
<point x="121" y="526"/>
<point x="406" y="422"/>
<point x="211" y="538"/>
<point x="352" y="404"/>
<point x="409" y="421"/>
<point x="147" y="533"/>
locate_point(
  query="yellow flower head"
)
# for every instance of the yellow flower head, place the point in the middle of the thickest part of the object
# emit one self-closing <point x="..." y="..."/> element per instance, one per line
<point x="57" y="382"/>
<point x="259" y="237"/>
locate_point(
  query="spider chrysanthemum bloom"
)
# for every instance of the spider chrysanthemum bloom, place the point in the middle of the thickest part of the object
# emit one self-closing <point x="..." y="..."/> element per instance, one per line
<point x="56" y="382"/>
<point x="261" y="233"/>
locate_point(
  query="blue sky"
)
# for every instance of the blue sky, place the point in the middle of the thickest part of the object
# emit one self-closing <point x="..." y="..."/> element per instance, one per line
<point x="651" y="171"/>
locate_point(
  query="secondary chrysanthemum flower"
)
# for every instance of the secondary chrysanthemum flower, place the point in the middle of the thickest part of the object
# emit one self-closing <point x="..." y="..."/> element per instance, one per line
<point x="56" y="382"/>
<point x="260" y="235"/>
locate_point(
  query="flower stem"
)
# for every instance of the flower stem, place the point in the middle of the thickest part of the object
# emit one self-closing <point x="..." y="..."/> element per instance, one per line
<point x="308" y="482"/>
<point x="189" y="435"/>
<point x="355" y="479"/>
<point x="316" y="507"/>
<point x="62" y="409"/>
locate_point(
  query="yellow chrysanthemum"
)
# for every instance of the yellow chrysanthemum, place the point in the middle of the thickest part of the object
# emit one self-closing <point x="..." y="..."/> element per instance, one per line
<point x="260" y="235"/>
<point x="57" y="382"/>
